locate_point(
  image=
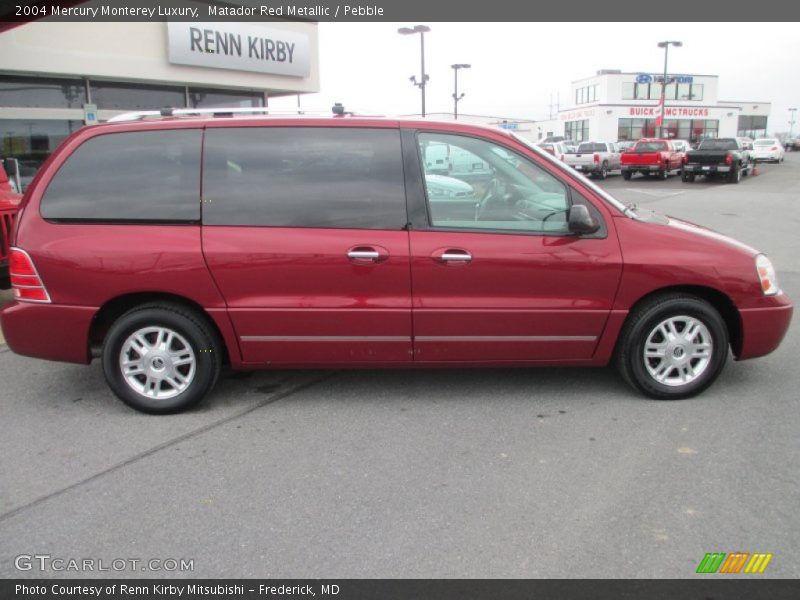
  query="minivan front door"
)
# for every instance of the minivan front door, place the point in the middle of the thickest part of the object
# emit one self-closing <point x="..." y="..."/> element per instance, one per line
<point x="496" y="275"/>
<point x="304" y="233"/>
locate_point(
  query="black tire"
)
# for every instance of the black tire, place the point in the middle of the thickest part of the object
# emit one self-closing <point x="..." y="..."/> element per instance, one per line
<point x="735" y="176"/>
<point x="626" y="175"/>
<point x="687" y="177"/>
<point x="642" y="323"/>
<point x="663" y="174"/>
<point x="603" y="174"/>
<point x="190" y="327"/>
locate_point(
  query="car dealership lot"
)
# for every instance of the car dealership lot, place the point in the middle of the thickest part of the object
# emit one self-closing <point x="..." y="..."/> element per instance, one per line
<point x="451" y="473"/>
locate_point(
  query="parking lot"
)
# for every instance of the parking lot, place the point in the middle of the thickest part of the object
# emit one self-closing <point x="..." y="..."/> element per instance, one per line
<point x="432" y="473"/>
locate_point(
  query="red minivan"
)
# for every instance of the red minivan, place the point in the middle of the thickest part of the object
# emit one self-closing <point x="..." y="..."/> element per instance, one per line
<point x="167" y="246"/>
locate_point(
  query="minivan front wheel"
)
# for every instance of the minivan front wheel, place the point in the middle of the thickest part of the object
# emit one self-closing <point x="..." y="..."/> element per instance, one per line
<point x="673" y="347"/>
<point x="161" y="358"/>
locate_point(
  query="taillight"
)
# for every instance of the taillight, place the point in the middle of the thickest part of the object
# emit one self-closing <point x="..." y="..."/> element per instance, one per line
<point x="685" y="159"/>
<point x="596" y="158"/>
<point x="774" y="148"/>
<point x="562" y="158"/>
<point x="25" y="280"/>
<point x="729" y="158"/>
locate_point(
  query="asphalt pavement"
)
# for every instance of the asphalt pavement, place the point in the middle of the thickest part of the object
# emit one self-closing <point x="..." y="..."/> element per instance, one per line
<point x="431" y="473"/>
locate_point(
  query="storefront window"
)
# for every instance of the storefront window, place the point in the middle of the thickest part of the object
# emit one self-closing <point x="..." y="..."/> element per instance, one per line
<point x="132" y="96"/>
<point x="628" y="90"/>
<point x="577" y="131"/>
<point x="752" y="126"/>
<point x="696" y="91"/>
<point x="680" y="129"/>
<point x="209" y="98"/>
<point x="31" y="141"/>
<point x="36" y="92"/>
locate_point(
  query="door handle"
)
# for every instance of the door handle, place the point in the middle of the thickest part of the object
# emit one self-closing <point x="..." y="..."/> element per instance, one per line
<point x="367" y="254"/>
<point x="451" y="255"/>
<point x="364" y="254"/>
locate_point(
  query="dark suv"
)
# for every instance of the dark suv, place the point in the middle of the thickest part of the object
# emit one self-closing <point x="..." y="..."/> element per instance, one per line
<point x="169" y="246"/>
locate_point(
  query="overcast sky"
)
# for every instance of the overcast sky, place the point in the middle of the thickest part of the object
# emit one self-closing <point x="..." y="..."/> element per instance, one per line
<point x="517" y="66"/>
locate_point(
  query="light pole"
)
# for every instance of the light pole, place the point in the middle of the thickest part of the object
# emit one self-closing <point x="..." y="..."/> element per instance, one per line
<point x="421" y="30"/>
<point x="456" y="97"/>
<point x="665" y="45"/>
<point x="791" y="122"/>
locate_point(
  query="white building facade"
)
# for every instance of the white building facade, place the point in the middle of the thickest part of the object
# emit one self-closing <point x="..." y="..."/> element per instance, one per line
<point x="57" y="77"/>
<point x="613" y="105"/>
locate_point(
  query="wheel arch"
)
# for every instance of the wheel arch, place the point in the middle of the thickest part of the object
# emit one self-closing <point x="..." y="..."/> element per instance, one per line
<point x="721" y="302"/>
<point x="114" y="308"/>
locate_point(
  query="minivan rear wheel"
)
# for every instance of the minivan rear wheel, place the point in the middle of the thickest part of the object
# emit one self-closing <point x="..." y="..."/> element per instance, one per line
<point x="673" y="346"/>
<point x="161" y="358"/>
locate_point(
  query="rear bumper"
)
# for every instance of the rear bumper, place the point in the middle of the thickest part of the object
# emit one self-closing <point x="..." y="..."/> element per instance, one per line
<point x="701" y="169"/>
<point x="587" y="168"/>
<point x="48" y="331"/>
<point x="763" y="329"/>
<point x="641" y="168"/>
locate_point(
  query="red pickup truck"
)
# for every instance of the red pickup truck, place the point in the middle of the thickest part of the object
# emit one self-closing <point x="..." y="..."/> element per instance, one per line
<point x="651" y="157"/>
<point x="9" y="204"/>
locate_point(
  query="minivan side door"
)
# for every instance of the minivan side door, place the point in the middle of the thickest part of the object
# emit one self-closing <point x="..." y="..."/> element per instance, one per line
<point x="496" y="275"/>
<point x="304" y="233"/>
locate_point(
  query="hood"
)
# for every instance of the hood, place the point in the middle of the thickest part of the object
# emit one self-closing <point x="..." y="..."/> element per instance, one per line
<point x="710" y="234"/>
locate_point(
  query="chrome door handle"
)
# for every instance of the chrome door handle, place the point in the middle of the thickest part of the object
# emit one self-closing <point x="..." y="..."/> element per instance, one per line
<point x="457" y="256"/>
<point x="364" y="254"/>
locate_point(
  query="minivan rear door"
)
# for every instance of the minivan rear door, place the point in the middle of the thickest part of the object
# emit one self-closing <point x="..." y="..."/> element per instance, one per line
<point x="304" y="231"/>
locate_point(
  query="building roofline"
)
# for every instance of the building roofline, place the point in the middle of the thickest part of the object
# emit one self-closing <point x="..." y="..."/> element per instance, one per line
<point x="638" y="72"/>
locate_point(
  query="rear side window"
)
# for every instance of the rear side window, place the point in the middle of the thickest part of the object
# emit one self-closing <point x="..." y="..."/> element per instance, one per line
<point x="332" y="177"/>
<point x="135" y="176"/>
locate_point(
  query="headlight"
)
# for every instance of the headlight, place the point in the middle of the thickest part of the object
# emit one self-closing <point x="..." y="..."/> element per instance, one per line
<point x="767" y="276"/>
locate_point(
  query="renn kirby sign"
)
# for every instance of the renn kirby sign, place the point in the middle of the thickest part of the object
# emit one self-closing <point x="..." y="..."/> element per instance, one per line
<point x="240" y="47"/>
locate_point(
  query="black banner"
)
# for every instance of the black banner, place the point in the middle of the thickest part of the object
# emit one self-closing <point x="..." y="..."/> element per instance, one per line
<point x="404" y="589"/>
<point x="395" y="11"/>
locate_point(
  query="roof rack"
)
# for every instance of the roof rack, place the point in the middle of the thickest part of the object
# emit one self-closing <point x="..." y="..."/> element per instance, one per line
<point x="337" y="109"/>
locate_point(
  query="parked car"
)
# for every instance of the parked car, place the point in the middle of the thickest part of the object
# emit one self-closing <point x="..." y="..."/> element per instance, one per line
<point x="715" y="156"/>
<point x="768" y="150"/>
<point x="681" y="146"/>
<point x="302" y="249"/>
<point x="595" y="158"/>
<point x="624" y="145"/>
<point x="651" y="157"/>
<point x="557" y="149"/>
<point x="9" y="205"/>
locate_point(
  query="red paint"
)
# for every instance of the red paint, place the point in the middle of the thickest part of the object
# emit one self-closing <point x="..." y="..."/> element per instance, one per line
<point x="523" y="299"/>
<point x="670" y="157"/>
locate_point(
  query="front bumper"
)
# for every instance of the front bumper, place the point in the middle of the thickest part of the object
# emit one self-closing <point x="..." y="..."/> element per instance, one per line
<point x="763" y="328"/>
<point x="702" y="169"/>
<point x="48" y="331"/>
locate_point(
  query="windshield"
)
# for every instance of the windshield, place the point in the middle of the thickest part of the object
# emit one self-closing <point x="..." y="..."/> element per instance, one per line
<point x="718" y="145"/>
<point x="642" y="147"/>
<point x="568" y="170"/>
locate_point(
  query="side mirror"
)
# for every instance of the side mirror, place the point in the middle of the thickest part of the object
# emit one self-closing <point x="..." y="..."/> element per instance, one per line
<point x="580" y="220"/>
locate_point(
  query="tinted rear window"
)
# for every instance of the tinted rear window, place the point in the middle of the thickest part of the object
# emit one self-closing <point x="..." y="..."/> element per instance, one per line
<point x="138" y="176"/>
<point x="718" y="144"/>
<point x="304" y="177"/>
<point x="643" y="147"/>
<point x="591" y="148"/>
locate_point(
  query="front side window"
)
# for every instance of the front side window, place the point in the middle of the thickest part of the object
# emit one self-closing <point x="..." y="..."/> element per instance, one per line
<point x="331" y="177"/>
<point x="492" y="189"/>
<point x="129" y="177"/>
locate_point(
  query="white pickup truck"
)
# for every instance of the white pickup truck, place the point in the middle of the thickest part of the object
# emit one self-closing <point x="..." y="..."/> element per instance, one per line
<point x="595" y="158"/>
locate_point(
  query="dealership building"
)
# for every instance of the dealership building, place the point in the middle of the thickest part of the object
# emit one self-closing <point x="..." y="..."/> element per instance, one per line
<point x="57" y="77"/>
<point x="613" y="105"/>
